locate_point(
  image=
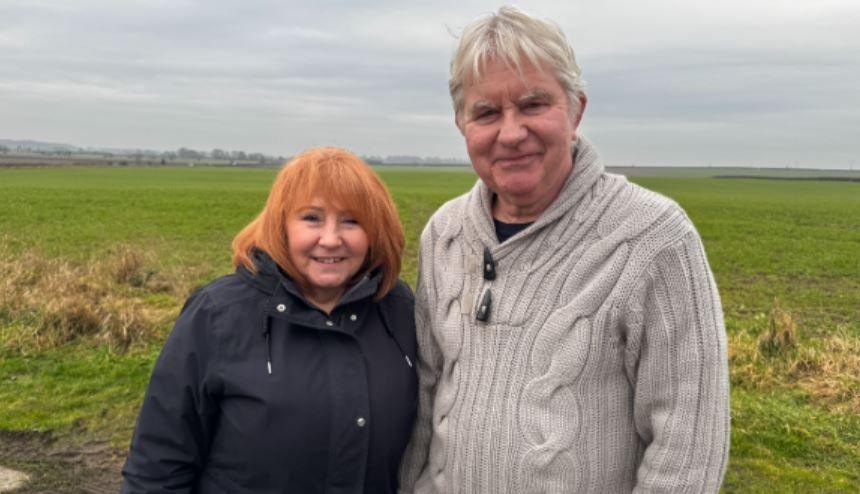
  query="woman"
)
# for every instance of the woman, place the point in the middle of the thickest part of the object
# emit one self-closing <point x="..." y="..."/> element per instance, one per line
<point x="295" y="373"/>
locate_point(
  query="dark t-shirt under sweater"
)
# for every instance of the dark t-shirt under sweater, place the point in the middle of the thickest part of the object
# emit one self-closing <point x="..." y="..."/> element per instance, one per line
<point x="505" y="231"/>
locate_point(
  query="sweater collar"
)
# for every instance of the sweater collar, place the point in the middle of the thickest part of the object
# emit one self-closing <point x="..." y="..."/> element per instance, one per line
<point x="587" y="169"/>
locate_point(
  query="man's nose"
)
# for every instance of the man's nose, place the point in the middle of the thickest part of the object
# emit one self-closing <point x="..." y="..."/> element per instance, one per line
<point x="512" y="130"/>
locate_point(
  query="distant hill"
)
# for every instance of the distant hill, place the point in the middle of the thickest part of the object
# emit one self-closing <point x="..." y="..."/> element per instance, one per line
<point x="37" y="145"/>
<point x="29" y="145"/>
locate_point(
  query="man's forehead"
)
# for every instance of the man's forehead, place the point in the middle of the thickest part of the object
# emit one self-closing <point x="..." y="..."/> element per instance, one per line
<point x="497" y="65"/>
<point x="523" y="95"/>
<point x="525" y="76"/>
<point x="481" y="99"/>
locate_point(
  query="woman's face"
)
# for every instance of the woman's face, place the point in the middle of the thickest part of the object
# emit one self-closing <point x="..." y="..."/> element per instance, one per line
<point x="328" y="247"/>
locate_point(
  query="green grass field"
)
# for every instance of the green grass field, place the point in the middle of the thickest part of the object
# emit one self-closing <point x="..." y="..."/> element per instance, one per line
<point x="791" y="244"/>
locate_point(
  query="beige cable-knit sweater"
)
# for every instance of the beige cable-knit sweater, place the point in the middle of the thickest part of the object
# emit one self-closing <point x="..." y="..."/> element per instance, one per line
<point x="603" y="365"/>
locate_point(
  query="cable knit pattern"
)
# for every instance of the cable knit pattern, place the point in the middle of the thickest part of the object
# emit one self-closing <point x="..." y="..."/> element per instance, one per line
<point x="603" y="365"/>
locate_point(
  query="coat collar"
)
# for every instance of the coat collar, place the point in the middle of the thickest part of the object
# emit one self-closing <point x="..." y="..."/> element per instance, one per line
<point x="269" y="278"/>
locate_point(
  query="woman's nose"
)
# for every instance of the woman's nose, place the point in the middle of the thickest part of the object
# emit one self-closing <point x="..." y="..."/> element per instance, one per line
<point x="330" y="236"/>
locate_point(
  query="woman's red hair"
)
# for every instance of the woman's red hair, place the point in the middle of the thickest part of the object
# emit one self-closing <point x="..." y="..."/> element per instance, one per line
<point x="342" y="180"/>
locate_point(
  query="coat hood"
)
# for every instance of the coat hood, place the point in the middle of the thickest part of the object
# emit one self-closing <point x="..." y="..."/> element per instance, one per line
<point x="269" y="277"/>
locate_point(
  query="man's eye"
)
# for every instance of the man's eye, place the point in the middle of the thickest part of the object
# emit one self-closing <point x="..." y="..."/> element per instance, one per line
<point x="533" y="105"/>
<point x="485" y="115"/>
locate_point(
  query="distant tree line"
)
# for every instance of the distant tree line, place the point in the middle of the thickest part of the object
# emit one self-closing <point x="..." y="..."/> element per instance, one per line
<point x="182" y="153"/>
<point x="219" y="154"/>
<point x="185" y="154"/>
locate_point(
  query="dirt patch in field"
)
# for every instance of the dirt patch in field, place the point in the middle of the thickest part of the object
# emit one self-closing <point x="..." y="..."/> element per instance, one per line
<point x="58" y="466"/>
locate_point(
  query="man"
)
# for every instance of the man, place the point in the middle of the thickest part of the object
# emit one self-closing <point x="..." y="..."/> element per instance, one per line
<point x="570" y="329"/>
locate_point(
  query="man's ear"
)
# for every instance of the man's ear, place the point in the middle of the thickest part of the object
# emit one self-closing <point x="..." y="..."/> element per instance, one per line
<point x="583" y="101"/>
<point x="458" y="123"/>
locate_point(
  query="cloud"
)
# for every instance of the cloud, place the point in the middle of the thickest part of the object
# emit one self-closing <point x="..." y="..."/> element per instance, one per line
<point x="739" y="80"/>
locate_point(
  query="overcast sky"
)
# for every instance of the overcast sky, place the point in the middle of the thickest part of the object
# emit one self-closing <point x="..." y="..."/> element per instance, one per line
<point x="686" y="82"/>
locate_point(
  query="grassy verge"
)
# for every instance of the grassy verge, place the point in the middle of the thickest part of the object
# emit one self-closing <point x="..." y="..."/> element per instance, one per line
<point x="78" y="388"/>
<point x="96" y="263"/>
<point x="782" y="443"/>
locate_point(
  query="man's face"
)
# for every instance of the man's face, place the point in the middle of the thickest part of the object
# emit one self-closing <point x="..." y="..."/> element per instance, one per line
<point x="518" y="132"/>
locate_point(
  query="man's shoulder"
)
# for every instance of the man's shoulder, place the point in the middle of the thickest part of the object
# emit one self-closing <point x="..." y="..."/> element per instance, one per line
<point x="452" y="209"/>
<point x="637" y="196"/>
<point x="449" y="214"/>
<point x="641" y="208"/>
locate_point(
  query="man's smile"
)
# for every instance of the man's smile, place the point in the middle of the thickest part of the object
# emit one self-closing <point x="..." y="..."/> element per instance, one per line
<point x="517" y="160"/>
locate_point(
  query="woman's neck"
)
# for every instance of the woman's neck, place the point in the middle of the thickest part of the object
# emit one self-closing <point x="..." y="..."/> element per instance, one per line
<point x="325" y="299"/>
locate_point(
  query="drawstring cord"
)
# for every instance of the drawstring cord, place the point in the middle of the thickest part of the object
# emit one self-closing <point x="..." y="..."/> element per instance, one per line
<point x="267" y="330"/>
<point x="269" y="353"/>
<point x="391" y="334"/>
<point x="267" y="333"/>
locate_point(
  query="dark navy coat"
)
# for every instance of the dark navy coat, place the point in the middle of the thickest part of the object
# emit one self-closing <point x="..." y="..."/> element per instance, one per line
<point x="258" y="391"/>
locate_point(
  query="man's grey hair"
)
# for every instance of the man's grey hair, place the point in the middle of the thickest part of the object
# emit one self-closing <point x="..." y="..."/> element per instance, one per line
<point x="514" y="37"/>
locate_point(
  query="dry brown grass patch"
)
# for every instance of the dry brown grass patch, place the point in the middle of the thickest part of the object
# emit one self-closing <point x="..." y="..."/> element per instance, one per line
<point x="830" y="370"/>
<point x="126" y="265"/>
<point x="48" y="302"/>
<point x="781" y="334"/>
<point x="826" y="368"/>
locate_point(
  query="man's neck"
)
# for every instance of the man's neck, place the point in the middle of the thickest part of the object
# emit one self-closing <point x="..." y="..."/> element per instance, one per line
<point x="523" y="209"/>
<point x="517" y="210"/>
<point x="510" y="213"/>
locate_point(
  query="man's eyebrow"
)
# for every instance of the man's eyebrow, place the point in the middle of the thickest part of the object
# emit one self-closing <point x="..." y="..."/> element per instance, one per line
<point x="535" y="94"/>
<point x="480" y="106"/>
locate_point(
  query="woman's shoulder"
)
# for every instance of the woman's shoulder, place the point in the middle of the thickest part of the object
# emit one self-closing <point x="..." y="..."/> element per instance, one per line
<point x="214" y="310"/>
<point x="397" y="310"/>
<point x="227" y="290"/>
<point x="400" y="292"/>
<point x="399" y="302"/>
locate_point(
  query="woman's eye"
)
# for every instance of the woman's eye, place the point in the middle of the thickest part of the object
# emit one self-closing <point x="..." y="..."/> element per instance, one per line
<point x="310" y="217"/>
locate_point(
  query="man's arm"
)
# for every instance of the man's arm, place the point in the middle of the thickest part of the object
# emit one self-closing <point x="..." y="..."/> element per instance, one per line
<point x="429" y="368"/>
<point x="676" y="357"/>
